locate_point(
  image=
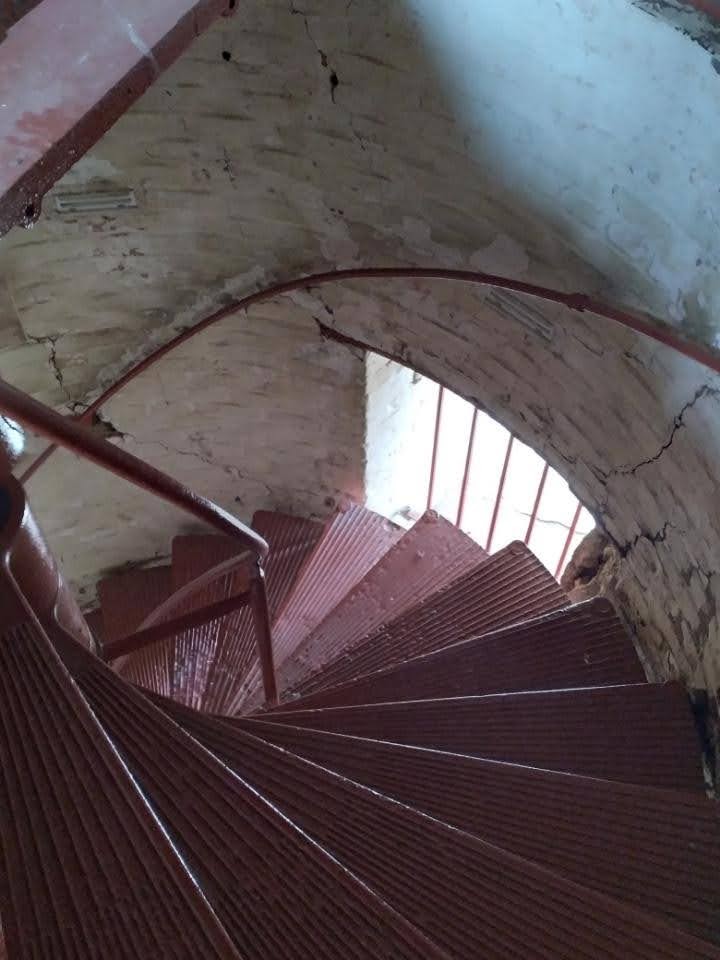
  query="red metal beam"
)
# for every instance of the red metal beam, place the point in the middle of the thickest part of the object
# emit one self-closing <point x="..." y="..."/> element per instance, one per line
<point x="568" y="541"/>
<point x="466" y="473"/>
<point x="436" y="441"/>
<point x="196" y="618"/>
<point x="536" y="505"/>
<point x="68" y="70"/>
<point x="498" y="498"/>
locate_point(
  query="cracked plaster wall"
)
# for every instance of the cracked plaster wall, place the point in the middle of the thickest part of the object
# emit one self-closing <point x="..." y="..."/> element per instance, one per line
<point x="570" y="143"/>
<point x="257" y="414"/>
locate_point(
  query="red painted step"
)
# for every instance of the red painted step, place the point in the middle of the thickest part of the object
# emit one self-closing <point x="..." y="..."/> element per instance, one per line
<point x="472" y="898"/>
<point x="88" y="872"/>
<point x="126" y="599"/>
<point x="509" y="587"/>
<point x="656" y="849"/>
<point x="429" y="556"/>
<point x="276" y="893"/>
<point x="352" y="543"/>
<point x="581" y="646"/>
<point x="212" y="661"/>
<point x="641" y="733"/>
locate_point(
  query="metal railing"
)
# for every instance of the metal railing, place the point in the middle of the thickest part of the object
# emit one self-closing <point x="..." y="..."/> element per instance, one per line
<point x="74" y="436"/>
<point x="462" y="499"/>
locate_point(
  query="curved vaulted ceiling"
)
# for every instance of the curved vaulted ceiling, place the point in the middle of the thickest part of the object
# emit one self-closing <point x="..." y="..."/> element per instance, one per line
<point x="573" y="144"/>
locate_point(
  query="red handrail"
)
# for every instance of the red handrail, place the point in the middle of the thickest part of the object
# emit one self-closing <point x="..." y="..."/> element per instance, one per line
<point x="81" y="440"/>
<point x="157" y="626"/>
<point x="643" y="324"/>
<point x="145" y="637"/>
<point x="68" y="433"/>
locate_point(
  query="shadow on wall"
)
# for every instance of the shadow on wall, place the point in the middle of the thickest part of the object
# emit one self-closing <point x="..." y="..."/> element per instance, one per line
<point x="586" y="137"/>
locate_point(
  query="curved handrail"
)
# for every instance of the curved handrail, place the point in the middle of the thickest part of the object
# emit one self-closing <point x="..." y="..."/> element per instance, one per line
<point x="68" y="433"/>
<point x="161" y="613"/>
<point x="81" y="440"/>
<point x="647" y="325"/>
<point x="188" y="590"/>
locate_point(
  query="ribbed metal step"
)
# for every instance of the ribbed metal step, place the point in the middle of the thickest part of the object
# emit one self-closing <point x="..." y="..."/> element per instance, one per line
<point x="126" y="599"/>
<point x="352" y="543"/>
<point x="656" y="849"/>
<point x="88" y="871"/>
<point x="640" y="733"/>
<point x="213" y="660"/>
<point x="473" y="898"/>
<point x="509" y="587"/>
<point x="431" y="555"/>
<point x="582" y="646"/>
<point x="277" y="893"/>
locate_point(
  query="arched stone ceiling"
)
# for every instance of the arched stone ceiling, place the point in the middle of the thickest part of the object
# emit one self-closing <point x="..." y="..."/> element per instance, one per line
<point x="574" y="144"/>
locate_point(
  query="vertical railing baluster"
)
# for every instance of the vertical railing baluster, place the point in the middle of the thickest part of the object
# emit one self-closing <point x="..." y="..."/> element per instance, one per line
<point x="498" y="498"/>
<point x="568" y="541"/>
<point x="466" y="474"/>
<point x="536" y="505"/>
<point x="263" y="635"/>
<point x="436" y="441"/>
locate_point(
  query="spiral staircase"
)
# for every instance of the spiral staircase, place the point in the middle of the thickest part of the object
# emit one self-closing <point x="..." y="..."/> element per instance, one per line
<point x="460" y="763"/>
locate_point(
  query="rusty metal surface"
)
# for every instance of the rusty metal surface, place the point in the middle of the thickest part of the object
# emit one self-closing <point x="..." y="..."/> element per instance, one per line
<point x="88" y="872"/>
<point x="150" y="668"/>
<point x="65" y="85"/>
<point x="657" y="849"/>
<point x="275" y="892"/>
<point x="469" y="896"/>
<point x="431" y="555"/>
<point x="582" y="646"/>
<point x="352" y="543"/>
<point x="641" y="733"/>
<point x="509" y="587"/>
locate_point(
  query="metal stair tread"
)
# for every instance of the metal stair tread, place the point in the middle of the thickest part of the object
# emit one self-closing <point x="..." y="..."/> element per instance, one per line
<point x="470" y="896"/>
<point x="581" y="645"/>
<point x="508" y="587"/>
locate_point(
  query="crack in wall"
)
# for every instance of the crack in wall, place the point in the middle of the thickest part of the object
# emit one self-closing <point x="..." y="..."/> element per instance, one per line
<point x="688" y="18"/>
<point x="660" y="536"/>
<point x="51" y="341"/>
<point x="678" y="423"/>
